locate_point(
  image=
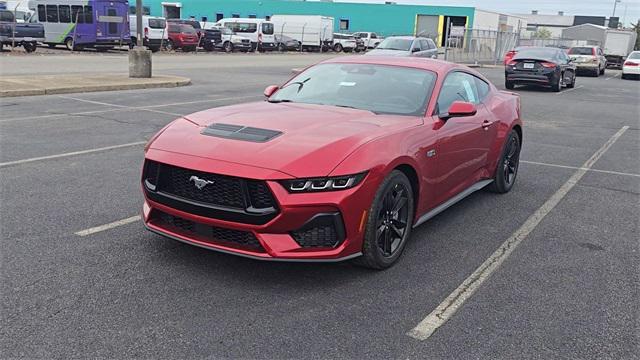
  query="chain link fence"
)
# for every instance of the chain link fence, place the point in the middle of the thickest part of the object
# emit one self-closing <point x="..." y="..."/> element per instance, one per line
<point x="478" y="46"/>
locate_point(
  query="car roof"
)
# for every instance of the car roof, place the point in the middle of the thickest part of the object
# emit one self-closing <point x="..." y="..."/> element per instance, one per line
<point x="403" y="37"/>
<point x="438" y="66"/>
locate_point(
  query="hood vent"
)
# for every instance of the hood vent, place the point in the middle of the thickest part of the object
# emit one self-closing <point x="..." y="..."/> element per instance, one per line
<point x="239" y="132"/>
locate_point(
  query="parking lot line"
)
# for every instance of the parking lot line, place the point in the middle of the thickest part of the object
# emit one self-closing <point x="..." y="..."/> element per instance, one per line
<point x="124" y="107"/>
<point x="74" y="153"/>
<point x="446" y="309"/>
<point x="108" y="226"/>
<point x="576" y="167"/>
<point x="572" y="89"/>
<point x="612" y="77"/>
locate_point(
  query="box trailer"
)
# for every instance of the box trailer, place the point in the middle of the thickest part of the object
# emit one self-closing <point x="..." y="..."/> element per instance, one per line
<point x="618" y="44"/>
<point x="314" y="32"/>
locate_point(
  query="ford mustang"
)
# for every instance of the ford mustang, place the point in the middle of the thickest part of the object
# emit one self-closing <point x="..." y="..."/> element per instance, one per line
<point x="340" y="162"/>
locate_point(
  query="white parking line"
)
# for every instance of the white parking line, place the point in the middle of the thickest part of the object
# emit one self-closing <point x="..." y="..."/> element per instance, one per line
<point x="576" y="167"/>
<point x="74" y="153"/>
<point x="116" y="107"/>
<point x="108" y="226"/>
<point x="573" y="89"/>
<point x="612" y="77"/>
<point x="456" y="299"/>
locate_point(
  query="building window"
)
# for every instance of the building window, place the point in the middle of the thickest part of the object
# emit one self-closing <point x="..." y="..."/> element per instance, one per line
<point x="252" y="16"/>
<point x="344" y="24"/>
<point x="235" y="15"/>
<point x="219" y="16"/>
<point x="204" y="19"/>
<point x="268" y="17"/>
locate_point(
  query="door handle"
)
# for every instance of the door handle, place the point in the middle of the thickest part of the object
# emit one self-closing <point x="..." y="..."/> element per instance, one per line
<point x="486" y="124"/>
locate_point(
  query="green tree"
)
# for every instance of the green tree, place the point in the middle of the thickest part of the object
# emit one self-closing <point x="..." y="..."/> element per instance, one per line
<point x="542" y="33"/>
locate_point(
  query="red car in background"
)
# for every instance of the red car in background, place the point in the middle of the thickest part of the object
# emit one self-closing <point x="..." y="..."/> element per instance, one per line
<point x="182" y="36"/>
<point x="340" y="162"/>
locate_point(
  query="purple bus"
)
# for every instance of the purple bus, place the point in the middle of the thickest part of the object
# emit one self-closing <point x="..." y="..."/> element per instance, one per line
<point x="78" y="24"/>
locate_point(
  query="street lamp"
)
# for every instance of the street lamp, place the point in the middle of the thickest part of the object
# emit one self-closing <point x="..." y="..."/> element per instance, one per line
<point x="615" y="2"/>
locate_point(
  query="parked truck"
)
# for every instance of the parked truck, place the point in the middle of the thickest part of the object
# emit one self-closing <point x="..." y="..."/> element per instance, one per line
<point x="314" y="32"/>
<point x="13" y="33"/>
<point x="618" y="44"/>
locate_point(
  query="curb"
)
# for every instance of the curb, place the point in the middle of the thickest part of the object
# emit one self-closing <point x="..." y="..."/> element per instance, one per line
<point x="174" y="82"/>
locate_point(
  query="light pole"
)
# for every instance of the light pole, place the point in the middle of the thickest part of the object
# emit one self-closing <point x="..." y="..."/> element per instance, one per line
<point x="615" y="2"/>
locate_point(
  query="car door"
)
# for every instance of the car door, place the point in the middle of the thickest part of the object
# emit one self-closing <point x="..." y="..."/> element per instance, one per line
<point x="464" y="142"/>
<point x="416" y="49"/>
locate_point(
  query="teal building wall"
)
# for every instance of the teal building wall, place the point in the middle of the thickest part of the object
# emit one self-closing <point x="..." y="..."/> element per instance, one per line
<point x="385" y="19"/>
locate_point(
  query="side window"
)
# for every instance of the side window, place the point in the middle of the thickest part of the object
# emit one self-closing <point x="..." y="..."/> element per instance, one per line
<point x="65" y="14"/>
<point x="42" y="14"/>
<point x="88" y="14"/>
<point x="416" y="45"/>
<point x="432" y="45"/>
<point x="52" y="13"/>
<point x="76" y="14"/>
<point x="458" y="86"/>
<point x="374" y="36"/>
<point x="483" y="89"/>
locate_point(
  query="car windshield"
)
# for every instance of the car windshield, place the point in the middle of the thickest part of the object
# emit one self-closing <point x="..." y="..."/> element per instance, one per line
<point x="395" y="44"/>
<point x="634" y="55"/>
<point x="225" y="31"/>
<point x="536" y="53"/>
<point x="581" y="51"/>
<point x="380" y="89"/>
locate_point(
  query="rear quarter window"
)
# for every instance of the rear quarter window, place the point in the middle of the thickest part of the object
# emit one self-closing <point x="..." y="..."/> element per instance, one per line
<point x="157" y="23"/>
<point x="267" y="28"/>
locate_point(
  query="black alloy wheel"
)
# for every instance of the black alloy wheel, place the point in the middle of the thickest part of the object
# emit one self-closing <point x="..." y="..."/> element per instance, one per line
<point x="389" y="222"/>
<point x="508" y="164"/>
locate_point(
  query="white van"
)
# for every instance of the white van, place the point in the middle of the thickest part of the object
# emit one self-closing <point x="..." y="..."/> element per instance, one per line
<point x="314" y="32"/>
<point x="260" y="31"/>
<point x="154" y="30"/>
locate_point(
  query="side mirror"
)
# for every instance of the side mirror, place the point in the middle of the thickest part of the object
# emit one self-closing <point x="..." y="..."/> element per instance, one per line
<point x="460" y="109"/>
<point x="270" y="90"/>
<point x="415" y="50"/>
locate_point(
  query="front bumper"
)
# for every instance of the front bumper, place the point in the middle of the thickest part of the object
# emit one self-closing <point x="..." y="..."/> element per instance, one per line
<point x="291" y="235"/>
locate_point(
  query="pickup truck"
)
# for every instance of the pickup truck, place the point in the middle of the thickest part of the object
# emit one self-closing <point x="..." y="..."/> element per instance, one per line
<point x="370" y="39"/>
<point x="26" y="34"/>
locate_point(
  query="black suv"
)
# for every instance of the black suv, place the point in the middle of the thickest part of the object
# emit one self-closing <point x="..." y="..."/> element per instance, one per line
<point x="209" y="38"/>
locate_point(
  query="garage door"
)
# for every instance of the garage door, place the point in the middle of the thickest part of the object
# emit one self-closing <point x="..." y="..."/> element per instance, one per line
<point x="427" y="26"/>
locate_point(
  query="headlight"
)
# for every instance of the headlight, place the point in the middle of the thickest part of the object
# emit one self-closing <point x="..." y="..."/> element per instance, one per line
<point x="323" y="184"/>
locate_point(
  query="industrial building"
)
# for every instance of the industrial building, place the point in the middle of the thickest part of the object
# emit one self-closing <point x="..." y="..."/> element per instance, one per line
<point x="556" y="23"/>
<point x="384" y="19"/>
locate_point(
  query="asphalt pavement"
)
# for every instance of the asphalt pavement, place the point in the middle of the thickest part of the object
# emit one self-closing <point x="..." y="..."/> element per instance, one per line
<point x="72" y="162"/>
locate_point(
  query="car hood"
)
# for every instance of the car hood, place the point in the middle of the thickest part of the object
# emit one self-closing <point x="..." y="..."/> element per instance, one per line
<point x="312" y="139"/>
<point x="384" y="52"/>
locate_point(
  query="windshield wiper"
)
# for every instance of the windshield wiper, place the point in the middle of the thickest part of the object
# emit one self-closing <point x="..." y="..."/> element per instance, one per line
<point x="299" y="83"/>
<point x="392" y="49"/>
<point x="275" y="101"/>
<point x="353" y="107"/>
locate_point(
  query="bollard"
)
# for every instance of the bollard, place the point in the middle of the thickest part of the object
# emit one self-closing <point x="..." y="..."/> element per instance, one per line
<point x="139" y="62"/>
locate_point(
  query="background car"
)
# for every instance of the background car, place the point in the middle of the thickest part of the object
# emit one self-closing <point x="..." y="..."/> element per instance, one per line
<point x="286" y="43"/>
<point x="543" y="66"/>
<point x="209" y="38"/>
<point x="345" y="42"/>
<point x="631" y="66"/>
<point x="182" y="36"/>
<point x="406" y="46"/>
<point x="588" y="59"/>
<point x="327" y="169"/>
<point x="369" y="39"/>
<point x="154" y="31"/>
<point x="230" y="41"/>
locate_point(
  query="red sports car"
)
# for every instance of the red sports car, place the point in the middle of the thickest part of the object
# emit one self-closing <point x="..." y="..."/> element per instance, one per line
<point x="340" y="162"/>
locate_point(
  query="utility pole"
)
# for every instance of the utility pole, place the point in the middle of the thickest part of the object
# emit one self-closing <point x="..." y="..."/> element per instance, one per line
<point x="615" y="3"/>
<point x="139" y="56"/>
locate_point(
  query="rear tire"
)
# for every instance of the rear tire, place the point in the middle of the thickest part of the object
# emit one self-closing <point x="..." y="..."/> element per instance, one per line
<point x="29" y="47"/>
<point x="338" y="48"/>
<point x="68" y="42"/>
<point x="170" y="45"/>
<point x="228" y="47"/>
<point x="602" y="70"/>
<point x="389" y="223"/>
<point x="507" y="169"/>
<point x="509" y="85"/>
<point x="557" y="87"/>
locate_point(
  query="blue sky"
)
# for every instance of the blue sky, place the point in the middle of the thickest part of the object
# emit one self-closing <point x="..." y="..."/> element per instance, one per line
<point x="570" y="7"/>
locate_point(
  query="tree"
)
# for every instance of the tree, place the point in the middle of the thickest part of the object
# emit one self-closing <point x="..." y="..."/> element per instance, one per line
<point x="636" y="28"/>
<point x="542" y="33"/>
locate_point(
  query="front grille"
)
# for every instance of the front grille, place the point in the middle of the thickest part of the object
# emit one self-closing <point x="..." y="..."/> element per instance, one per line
<point x="224" y="191"/>
<point x="218" y="196"/>
<point x="322" y="231"/>
<point x="208" y="233"/>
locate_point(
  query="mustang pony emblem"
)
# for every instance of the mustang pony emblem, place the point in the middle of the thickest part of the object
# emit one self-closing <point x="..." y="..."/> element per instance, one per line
<point x="200" y="183"/>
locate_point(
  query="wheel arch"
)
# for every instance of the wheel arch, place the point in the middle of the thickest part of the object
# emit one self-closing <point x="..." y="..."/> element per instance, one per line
<point x="410" y="172"/>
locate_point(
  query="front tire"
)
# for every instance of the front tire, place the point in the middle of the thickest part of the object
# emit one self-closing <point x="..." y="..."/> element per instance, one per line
<point x="508" y="164"/>
<point x="338" y="48"/>
<point x="389" y="222"/>
<point x="30" y="47"/>
<point x="228" y="47"/>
